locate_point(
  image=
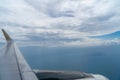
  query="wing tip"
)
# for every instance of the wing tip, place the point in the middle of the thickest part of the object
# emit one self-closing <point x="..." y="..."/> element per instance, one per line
<point x="7" y="37"/>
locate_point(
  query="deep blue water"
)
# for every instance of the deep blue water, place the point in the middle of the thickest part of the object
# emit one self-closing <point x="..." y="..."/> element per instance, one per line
<point x="99" y="60"/>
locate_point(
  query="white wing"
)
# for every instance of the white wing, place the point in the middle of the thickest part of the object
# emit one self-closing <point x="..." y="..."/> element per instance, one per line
<point x="13" y="66"/>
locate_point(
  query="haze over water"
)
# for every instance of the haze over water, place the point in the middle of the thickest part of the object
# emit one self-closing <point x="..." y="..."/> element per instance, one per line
<point x="100" y="60"/>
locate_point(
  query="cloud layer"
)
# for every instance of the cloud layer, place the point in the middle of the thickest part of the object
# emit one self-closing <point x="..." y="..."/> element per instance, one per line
<point x="60" y="22"/>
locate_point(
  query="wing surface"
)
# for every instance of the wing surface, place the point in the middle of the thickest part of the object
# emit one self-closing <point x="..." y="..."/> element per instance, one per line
<point x="13" y="66"/>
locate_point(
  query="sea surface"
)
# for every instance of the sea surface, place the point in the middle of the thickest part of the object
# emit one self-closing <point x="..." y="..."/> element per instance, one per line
<point x="104" y="60"/>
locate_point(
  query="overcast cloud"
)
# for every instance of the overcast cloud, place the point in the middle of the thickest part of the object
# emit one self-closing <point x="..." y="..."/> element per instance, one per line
<point x="60" y="22"/>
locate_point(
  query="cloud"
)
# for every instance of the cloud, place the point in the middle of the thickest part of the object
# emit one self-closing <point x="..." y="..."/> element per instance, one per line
<point x="86" y="16"/>
<point x="64" y="22"/>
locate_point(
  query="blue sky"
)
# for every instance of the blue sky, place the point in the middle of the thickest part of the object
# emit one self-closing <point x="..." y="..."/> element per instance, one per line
<point x="57" y="23"/>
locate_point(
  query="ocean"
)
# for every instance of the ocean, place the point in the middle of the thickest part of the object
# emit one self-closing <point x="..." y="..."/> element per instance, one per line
<point x="104" y="60"/>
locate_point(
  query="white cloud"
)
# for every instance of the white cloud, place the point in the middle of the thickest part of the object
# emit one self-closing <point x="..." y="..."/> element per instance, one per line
<point x="71" y="20"/>
<point x="89" y="15"/>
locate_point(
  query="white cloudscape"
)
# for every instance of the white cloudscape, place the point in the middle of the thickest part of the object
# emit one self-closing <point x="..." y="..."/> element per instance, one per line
<point x="62" y="22"/>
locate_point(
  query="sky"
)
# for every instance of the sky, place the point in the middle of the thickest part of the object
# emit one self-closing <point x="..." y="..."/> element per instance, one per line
<point x="67" y="23"/>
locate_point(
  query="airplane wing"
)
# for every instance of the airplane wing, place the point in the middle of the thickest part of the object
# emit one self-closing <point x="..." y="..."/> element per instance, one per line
<point x="13" y="66"/>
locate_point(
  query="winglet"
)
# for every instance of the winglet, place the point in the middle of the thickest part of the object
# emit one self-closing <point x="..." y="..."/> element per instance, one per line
<point x="7" y="37"/>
